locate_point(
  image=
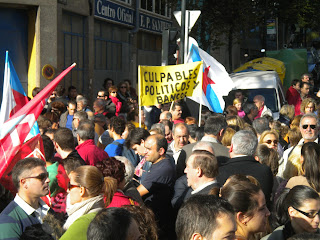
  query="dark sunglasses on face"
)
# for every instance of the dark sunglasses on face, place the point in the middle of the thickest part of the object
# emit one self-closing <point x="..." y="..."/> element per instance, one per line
<point x="309" y="215"/>
<point x="42" y="176"/>
<point x="100" y="96"/>
<point x="70" y="186"/>
<point x="312" y="126"/>
<point x="123" y="87"/>
<point x="270" y="141"/>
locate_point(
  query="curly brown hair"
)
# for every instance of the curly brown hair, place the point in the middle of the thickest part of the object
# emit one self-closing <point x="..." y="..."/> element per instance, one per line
<point x="111" y="167"/>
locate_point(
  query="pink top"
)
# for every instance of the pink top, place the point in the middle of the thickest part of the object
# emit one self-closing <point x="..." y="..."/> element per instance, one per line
<point x="241" y="113"/>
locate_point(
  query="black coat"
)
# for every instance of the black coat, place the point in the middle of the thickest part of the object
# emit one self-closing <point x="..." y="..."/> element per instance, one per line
<point x="247" y="165"/>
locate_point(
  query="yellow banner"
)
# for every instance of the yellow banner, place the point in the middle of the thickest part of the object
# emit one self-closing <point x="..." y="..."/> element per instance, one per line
<point x="164" y="84"/>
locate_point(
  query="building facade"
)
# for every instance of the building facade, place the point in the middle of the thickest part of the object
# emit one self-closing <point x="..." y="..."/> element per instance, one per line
<point x="104" y="38"/>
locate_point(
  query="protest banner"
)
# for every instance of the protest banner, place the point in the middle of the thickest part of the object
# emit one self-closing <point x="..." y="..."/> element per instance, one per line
<point x="164" y="84"/>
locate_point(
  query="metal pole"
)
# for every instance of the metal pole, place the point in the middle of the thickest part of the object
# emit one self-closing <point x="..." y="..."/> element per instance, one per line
<point x="277" y="27"/>
<point x="183" y="24"/>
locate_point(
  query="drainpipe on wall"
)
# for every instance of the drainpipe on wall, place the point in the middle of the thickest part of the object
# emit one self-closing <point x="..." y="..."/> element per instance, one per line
<point x="136" y="27"/>
<point x="131" y="35"/>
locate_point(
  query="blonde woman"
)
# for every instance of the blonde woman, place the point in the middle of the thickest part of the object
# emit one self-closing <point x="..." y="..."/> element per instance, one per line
<point x="270" y="138"/>
<point x="293" y="167"/>
<point x="235" y="121"/>
<point x="308" y="105"/>
<point x="238" y="104"/>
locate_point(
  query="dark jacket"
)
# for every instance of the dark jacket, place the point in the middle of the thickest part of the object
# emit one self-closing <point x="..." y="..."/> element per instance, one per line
<point x="247" y="165"/>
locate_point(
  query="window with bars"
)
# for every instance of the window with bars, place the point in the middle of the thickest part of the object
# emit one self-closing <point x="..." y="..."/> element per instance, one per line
<point x="156" y="6"/>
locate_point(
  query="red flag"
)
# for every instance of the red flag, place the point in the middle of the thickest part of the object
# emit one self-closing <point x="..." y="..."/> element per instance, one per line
<point x="15" y="130"/>
<point x="31" y="148"/>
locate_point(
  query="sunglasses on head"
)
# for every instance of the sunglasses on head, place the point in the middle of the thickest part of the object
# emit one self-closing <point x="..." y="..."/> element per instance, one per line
<point x="312" y="126"/>
<point x="41" y="176"/>
<point x="270" y="141"/>
<point x="309" y="215"/>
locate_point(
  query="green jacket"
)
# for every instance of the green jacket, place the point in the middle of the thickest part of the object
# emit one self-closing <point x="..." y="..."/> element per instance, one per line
<point x="78" y="230"/>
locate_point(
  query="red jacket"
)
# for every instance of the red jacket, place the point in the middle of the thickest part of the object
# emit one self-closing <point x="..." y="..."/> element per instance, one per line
<point x="90" y="153"/>
<point x="119" y="200"/>
<point x="292" y="96"/>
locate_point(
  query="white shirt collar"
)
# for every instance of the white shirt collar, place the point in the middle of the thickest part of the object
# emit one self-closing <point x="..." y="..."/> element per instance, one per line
<point x="40" y="212"/>
<point x="198" y="189"/>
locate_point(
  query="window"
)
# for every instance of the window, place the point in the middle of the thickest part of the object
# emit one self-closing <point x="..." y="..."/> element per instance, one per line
<point x="74" y="49"/>
<point x="110" y="44"/>
<point x="125" y="1"/>
<point x="156" y="6"/>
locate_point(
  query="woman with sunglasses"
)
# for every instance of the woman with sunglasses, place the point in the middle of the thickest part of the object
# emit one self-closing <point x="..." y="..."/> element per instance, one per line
<point x="296" y="211"/>
<point x="249" y="204"/>
<point x="310" y="159"/>
<point x="85" y="191"/>
<point x="270" y="138"/>
<point x="124" y="96"/>
<point x="113" y="104"/>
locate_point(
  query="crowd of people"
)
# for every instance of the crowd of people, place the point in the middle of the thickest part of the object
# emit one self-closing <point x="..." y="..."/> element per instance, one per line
<point x="238" y="175"/>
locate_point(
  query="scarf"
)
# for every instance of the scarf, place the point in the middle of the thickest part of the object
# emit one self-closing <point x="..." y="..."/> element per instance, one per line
<point x="79" y="209"/>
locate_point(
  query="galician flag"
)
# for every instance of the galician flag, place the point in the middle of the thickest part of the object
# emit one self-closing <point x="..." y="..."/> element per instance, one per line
<point x="13" y="96"/>
<point x="15" y="130"/>
<point x="216" y="81"/>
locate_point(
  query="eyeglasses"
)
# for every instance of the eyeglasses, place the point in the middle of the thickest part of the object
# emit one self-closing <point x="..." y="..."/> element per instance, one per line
<point x="312" y="126"/>
<point x="271" y="141"/>
<point x="42" y="176"/>
<point x="70" y="186"/>
<point x="100" y="96"/>
<point x="74" y="119"/>
<point x="123" y="87"/>
<point x="309" y="215"/>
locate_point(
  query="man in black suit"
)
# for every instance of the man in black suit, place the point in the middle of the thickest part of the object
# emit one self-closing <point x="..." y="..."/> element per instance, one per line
<point x="201" y="170"/>
<point x="242" y="150"/>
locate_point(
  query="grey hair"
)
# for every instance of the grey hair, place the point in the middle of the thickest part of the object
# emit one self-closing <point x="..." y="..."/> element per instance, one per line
<point x="81" y="115"/>
<point x="129" y="167"/>
<point x="158" y="126"/>
<point x="168" y="115"/>
<point x="260" y="125"/>
<point x="244" y="142"/>
<point x="261" y="98"/>
<point x="203" y="145"/>
<point x="83" y="100"/>
<point x="309" y="115"/>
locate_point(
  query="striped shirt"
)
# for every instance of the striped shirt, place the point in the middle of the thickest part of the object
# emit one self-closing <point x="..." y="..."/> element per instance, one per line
<point x="17" y="216"/>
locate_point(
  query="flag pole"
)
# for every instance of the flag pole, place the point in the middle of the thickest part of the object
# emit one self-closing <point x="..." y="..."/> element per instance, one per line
<point x="200" y="110"/>
<point x="139" y="86"/>
<point x="171" y="106"/>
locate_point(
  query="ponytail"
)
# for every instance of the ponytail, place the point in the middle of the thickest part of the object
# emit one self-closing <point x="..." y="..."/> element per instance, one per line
<point x="110" y="189"/>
